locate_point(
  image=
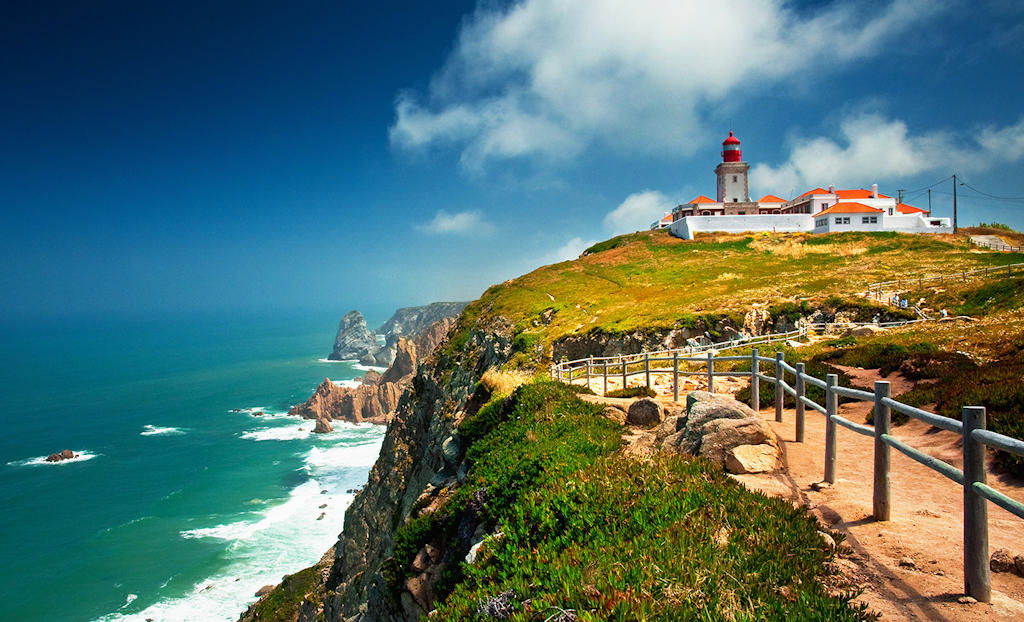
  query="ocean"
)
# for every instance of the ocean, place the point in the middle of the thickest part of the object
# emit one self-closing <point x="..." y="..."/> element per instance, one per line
<point x="182" y="503"/>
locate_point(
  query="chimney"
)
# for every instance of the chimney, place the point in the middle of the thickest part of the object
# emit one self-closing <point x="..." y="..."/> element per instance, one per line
<point x="874" y="191"/>
<point x="831" y="189"/>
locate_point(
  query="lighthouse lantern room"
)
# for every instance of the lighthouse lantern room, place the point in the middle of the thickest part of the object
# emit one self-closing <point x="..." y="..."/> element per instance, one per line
<point x="732" y="173"/>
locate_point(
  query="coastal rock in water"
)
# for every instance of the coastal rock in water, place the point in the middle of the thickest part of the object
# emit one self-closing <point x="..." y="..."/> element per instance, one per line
<point x="67" y="454"/>
<point x="323" y="426"/>
<point x="354" y="339"/>
<point x="263" y="591"/>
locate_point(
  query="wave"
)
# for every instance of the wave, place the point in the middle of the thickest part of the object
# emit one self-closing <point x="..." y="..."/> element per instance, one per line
<point x="80" y="456"/>
<point x="152" y="430"/>
<point x="281" y="433"/>
<point x="362" y="367"/>
<point x="265" y="412"/>
<point x="280" y="539"/>
<point x="336" y="361"/>
<point x="129" y="600"/>
<point x="348" y="384"/>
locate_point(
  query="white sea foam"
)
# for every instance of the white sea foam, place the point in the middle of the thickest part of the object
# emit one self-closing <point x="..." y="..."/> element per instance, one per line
<point x="362" y="367"/>
<point x="80" y="456"/>
<point x="281" y="539"/>
<point x="127" y="601"/>
<point x="280" y="433"/>
<point x="152" y="430"/>
<point x="348" y="384"/>
<point x="334" y="361"/>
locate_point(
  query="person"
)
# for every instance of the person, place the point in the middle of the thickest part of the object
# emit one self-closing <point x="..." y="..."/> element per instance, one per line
<point x="943" y="313"/>
<point x="875" y="319"/>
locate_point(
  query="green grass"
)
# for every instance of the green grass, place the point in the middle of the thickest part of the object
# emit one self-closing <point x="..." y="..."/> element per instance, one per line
<point x="651" y="280"/>
<point x="613" y="538"/>
<point x="632" y="392"/>
<point x="283" y="603"/>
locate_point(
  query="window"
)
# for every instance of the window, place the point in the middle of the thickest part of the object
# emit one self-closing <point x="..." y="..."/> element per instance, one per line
<point x="733" y="179"/>
<point x="873" y="220"/>
<point x="735" y="200"/>
<point x="742" y="213"/>
<point x="824" y="205"/>
<point x="842" y="220"/>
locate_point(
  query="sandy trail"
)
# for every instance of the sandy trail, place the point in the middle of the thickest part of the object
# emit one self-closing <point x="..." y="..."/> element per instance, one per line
<point x="927" y="517"/>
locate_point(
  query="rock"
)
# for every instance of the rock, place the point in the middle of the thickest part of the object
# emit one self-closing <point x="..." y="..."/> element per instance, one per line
<point x="675" y="443"/>
<point x="258" y="413"/>
<point x="906" y="562"/>
<point x="645" y="412"/>
<point x="263" y="591"/>
<point x="412" y="321"/>
<point x="762" y="458"/>
<point x="450" y="450"/>
<point x="670" y="426"/>
<point x="322" y="515"/>
<point x="354" y="339"/>
<point x="863" y="331"/>
<point x="323" y="426"/>
<point x="323" y="505"/>
<point x="703" y="407"/>
<point x="1018" y="563"/>
<point x="829" y="541"/>
<point x="722" y="435"/>
<point x="1001" y="561"/>
<point x="966" y="600"/>
<point x="67" y="454"/>
<point x="818" y="486"/>
<point x="615" y="414"/>
<point x="421" y="562"/>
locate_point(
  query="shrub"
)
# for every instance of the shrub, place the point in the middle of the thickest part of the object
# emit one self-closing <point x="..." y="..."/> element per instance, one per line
<point x="632" y="392"/>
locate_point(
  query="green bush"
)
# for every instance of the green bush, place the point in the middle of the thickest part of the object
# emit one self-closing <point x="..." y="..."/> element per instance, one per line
<point x="632" y="392"/>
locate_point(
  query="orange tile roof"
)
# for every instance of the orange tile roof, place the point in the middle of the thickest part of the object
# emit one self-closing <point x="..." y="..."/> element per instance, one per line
<point x="815" y="191"/>
<point x="770" y="198"/>
<point x="859" y="193"/>
<point x="702" y="199"/>
<point x="903" y="208"/>
<point x="850" y="208"/>
<point x="666" y="218"/>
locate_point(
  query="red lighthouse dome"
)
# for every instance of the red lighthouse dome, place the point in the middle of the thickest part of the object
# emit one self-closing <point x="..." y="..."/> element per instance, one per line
<point x="731" y="149"/>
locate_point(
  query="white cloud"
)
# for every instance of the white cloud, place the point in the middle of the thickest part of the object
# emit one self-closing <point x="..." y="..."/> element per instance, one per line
<point x="872" y="148"/>
<point x="549" y="78"/>
<point x="638" y="211"/>
<point x="570" y="250"/>
<point x="469" y="222"/>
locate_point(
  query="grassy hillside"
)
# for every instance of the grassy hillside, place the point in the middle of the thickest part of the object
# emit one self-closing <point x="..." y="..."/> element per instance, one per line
<point x="651" y="279"/>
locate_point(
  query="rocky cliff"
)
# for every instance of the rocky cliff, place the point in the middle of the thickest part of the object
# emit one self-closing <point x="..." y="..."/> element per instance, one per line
<point x="354" y="340"/>
<point x="376" y="399"/>
<point x="409" y="322"/>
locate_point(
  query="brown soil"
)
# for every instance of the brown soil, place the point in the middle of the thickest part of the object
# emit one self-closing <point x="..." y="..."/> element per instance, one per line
<point x="925" y="532"/>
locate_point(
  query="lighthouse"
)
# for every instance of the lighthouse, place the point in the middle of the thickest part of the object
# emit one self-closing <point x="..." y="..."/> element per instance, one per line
<point x="732" y="173"/>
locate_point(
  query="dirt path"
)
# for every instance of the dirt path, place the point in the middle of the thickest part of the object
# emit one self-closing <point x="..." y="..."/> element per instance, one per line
<point x="910" y="567"/>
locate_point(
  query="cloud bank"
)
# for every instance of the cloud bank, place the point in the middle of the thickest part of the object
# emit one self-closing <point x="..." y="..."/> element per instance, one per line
<point x="871" y="147"/>
<point x="548" y="79"/>
<point x="638" y="211"/>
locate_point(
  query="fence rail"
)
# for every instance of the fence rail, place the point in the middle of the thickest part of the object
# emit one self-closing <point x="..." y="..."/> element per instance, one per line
<point x="896" y="285"/>
<point x="973" y="477"/>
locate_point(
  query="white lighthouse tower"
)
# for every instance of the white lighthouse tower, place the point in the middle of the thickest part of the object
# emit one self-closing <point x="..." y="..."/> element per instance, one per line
<point x="732" y="173"/>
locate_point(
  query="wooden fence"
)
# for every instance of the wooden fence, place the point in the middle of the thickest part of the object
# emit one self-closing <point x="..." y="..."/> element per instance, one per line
<point x="973" y="477"/>
<point x="882" y="291"/>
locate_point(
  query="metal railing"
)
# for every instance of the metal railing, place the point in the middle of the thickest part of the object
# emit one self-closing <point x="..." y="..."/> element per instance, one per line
<point x="998" y="246"/>
<point x="973" y="477"/>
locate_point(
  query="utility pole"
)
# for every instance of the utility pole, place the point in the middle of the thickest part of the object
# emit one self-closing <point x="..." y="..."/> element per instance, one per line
<point x="929" y="201"/>
<point x="954" y="204"/>
<point x="899" y="193"/>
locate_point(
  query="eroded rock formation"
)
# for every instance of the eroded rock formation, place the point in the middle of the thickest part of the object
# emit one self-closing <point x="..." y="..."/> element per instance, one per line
<point x="354" y="340"/>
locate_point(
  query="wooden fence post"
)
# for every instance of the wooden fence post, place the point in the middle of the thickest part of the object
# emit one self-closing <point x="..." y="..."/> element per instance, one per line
<point x="831" y="407"/>
<point x="881" y="496"/>
<point x="604" y="370"/>
<point x="647" y="368"/>
<point x="977" y="581"/>
<point x="590" y="365"/>
<point x="780" y="394"/>
<point x="801" y="389"/>
<point x="755" y="385"/>
<point x="624" y="357"/>
<point x="711" y="372"/>
<point x="558" y="372"/>
<point x="675" y="376"/>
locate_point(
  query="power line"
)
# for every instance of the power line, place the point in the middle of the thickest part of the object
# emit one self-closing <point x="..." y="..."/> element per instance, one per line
<point x="990" y="196"/>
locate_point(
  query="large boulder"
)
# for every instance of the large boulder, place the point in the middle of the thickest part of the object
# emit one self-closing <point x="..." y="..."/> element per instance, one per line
<point x="354" y="340"/>
<point x="763" y="458"/>
<point x="703" y="407"/>
<point x="645" y="412"/>
<point x="671" y="425"/>
<point x="723" y="435"/>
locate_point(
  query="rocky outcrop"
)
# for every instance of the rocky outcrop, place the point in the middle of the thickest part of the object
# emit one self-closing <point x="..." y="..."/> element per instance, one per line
<point x="412" y="321"/>
<point x="372" y="401"/>
<point x="67" y="454"/>
<point x="354" y="340"/>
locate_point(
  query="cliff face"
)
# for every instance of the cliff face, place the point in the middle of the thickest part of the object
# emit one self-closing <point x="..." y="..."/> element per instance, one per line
<point x="354" y="340"/>
<point x="376" y="399"/>
<point x="410" y="322"/>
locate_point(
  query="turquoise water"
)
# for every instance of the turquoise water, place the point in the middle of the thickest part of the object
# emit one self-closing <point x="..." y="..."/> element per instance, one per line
<point x="178" y="508"/>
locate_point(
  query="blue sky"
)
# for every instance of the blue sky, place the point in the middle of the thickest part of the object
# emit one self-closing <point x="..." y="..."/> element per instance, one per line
<point x="324" y="155"/>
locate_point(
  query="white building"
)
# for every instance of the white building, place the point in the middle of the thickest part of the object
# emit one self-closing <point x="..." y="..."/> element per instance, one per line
<point x="815" y="211"/>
